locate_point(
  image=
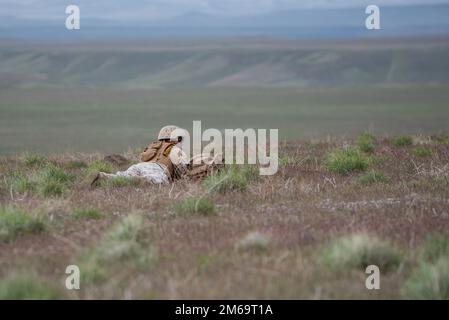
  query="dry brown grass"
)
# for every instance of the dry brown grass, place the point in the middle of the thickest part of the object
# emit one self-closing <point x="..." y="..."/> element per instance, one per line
<point x="302" y="209"/>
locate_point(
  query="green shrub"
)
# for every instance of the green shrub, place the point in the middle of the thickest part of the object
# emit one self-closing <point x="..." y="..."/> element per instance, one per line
<point x="234" y="178"/>
<point x="366" y="142"/>
<point x="86" y="213"/>
<point x="360" y="251"/>
<point x="403" y="141"/>
<point x="435" y="246"/>
<point x="193" y="205"/>
<point x="15" y="222"/>
<point x="348" y="160"/>
<point x="421" y="151"/>
<point x="430" y="281"/>
<point x="24" y="287"/>
<point x="372" y="177"/>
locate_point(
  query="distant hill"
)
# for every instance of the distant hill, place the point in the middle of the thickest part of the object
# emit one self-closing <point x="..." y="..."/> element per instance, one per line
<point x="230" y="63"/>
<point x="308" y="23"/>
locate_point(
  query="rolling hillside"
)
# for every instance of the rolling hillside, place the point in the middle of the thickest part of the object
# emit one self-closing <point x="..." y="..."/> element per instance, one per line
<point x="226" y="63"/>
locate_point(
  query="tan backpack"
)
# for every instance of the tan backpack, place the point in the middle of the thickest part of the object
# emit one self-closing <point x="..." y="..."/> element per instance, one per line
<point x="159" y="151"/>
<point x="204" y="166"/>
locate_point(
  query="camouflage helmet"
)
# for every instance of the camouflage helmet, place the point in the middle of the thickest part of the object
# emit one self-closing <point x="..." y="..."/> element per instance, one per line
<point x="165" y="132"/>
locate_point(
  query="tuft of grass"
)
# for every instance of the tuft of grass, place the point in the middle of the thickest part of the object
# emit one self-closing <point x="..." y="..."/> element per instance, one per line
<point x="86" y="214"/>
<point x="34" y="160"/>
<point x="234" y="178"/>
<point x="56" y="174"/>
<point x="49" y="180"/>
<point x="53" y="180"/>
<point x="429" y="282"/>
<point x="99" y="165"/>
<point x="254" y="241"/>
<point x="366" y="142"/>
<point x="124" y="244"/>
<point x="441" y="183"/>
<point x="195" y="205"/>
<point x="75" y="164"/>
<point x="422" y="151"/>
<point x="286" y="160"/>
<point x="435" y="246"/>
<point x="359" y="251"/>
<point x="250" y="172"/>
<point x="15" y="222"/>
<point x="52" y="188"/>
<point x="372" y="177"/>
<point x="119" y="182"/>
<point x="441" y="139"/>
<point x="403" y="141"/>
<point x="21" y="182"/>
<point x="129" y="229"/>
<point x="344" y="161"/>
<point x="24" y="287"/>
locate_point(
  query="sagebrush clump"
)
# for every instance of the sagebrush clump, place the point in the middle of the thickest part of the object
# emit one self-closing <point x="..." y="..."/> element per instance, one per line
<point x="126" y="243"/>
<point x="430" y="281"/>
<point x="359" y="251"/>
<point x="25" y="287"/>
<point x="435" y="246"/>
<point x="254" y="241"/>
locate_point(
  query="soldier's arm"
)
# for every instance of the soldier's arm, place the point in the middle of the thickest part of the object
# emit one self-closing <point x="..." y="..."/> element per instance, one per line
<point x="179" y="160"/>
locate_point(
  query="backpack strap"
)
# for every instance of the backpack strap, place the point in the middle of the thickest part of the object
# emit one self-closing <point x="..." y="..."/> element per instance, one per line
<point x="159" y="151"/>
<point x="163" y="157"/>
<point x="150" y="151"/>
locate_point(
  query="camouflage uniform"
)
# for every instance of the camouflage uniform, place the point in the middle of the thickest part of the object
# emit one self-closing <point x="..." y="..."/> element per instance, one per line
<point x="155" y="172"/>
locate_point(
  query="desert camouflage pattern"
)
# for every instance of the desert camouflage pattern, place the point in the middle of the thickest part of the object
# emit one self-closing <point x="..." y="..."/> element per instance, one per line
<point x="180" y="161"/>
<point x="165" y="132"/>
<point x="154" y="172"/>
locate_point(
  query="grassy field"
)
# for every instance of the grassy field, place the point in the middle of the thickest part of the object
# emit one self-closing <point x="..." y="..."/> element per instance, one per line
<point x="363" y="175"/>
<point x="309" y="231"/>
<point x="111" y="120"/>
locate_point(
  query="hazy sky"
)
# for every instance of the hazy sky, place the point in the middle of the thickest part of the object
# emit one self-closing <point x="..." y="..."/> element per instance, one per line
<point x="159" y="9"/>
